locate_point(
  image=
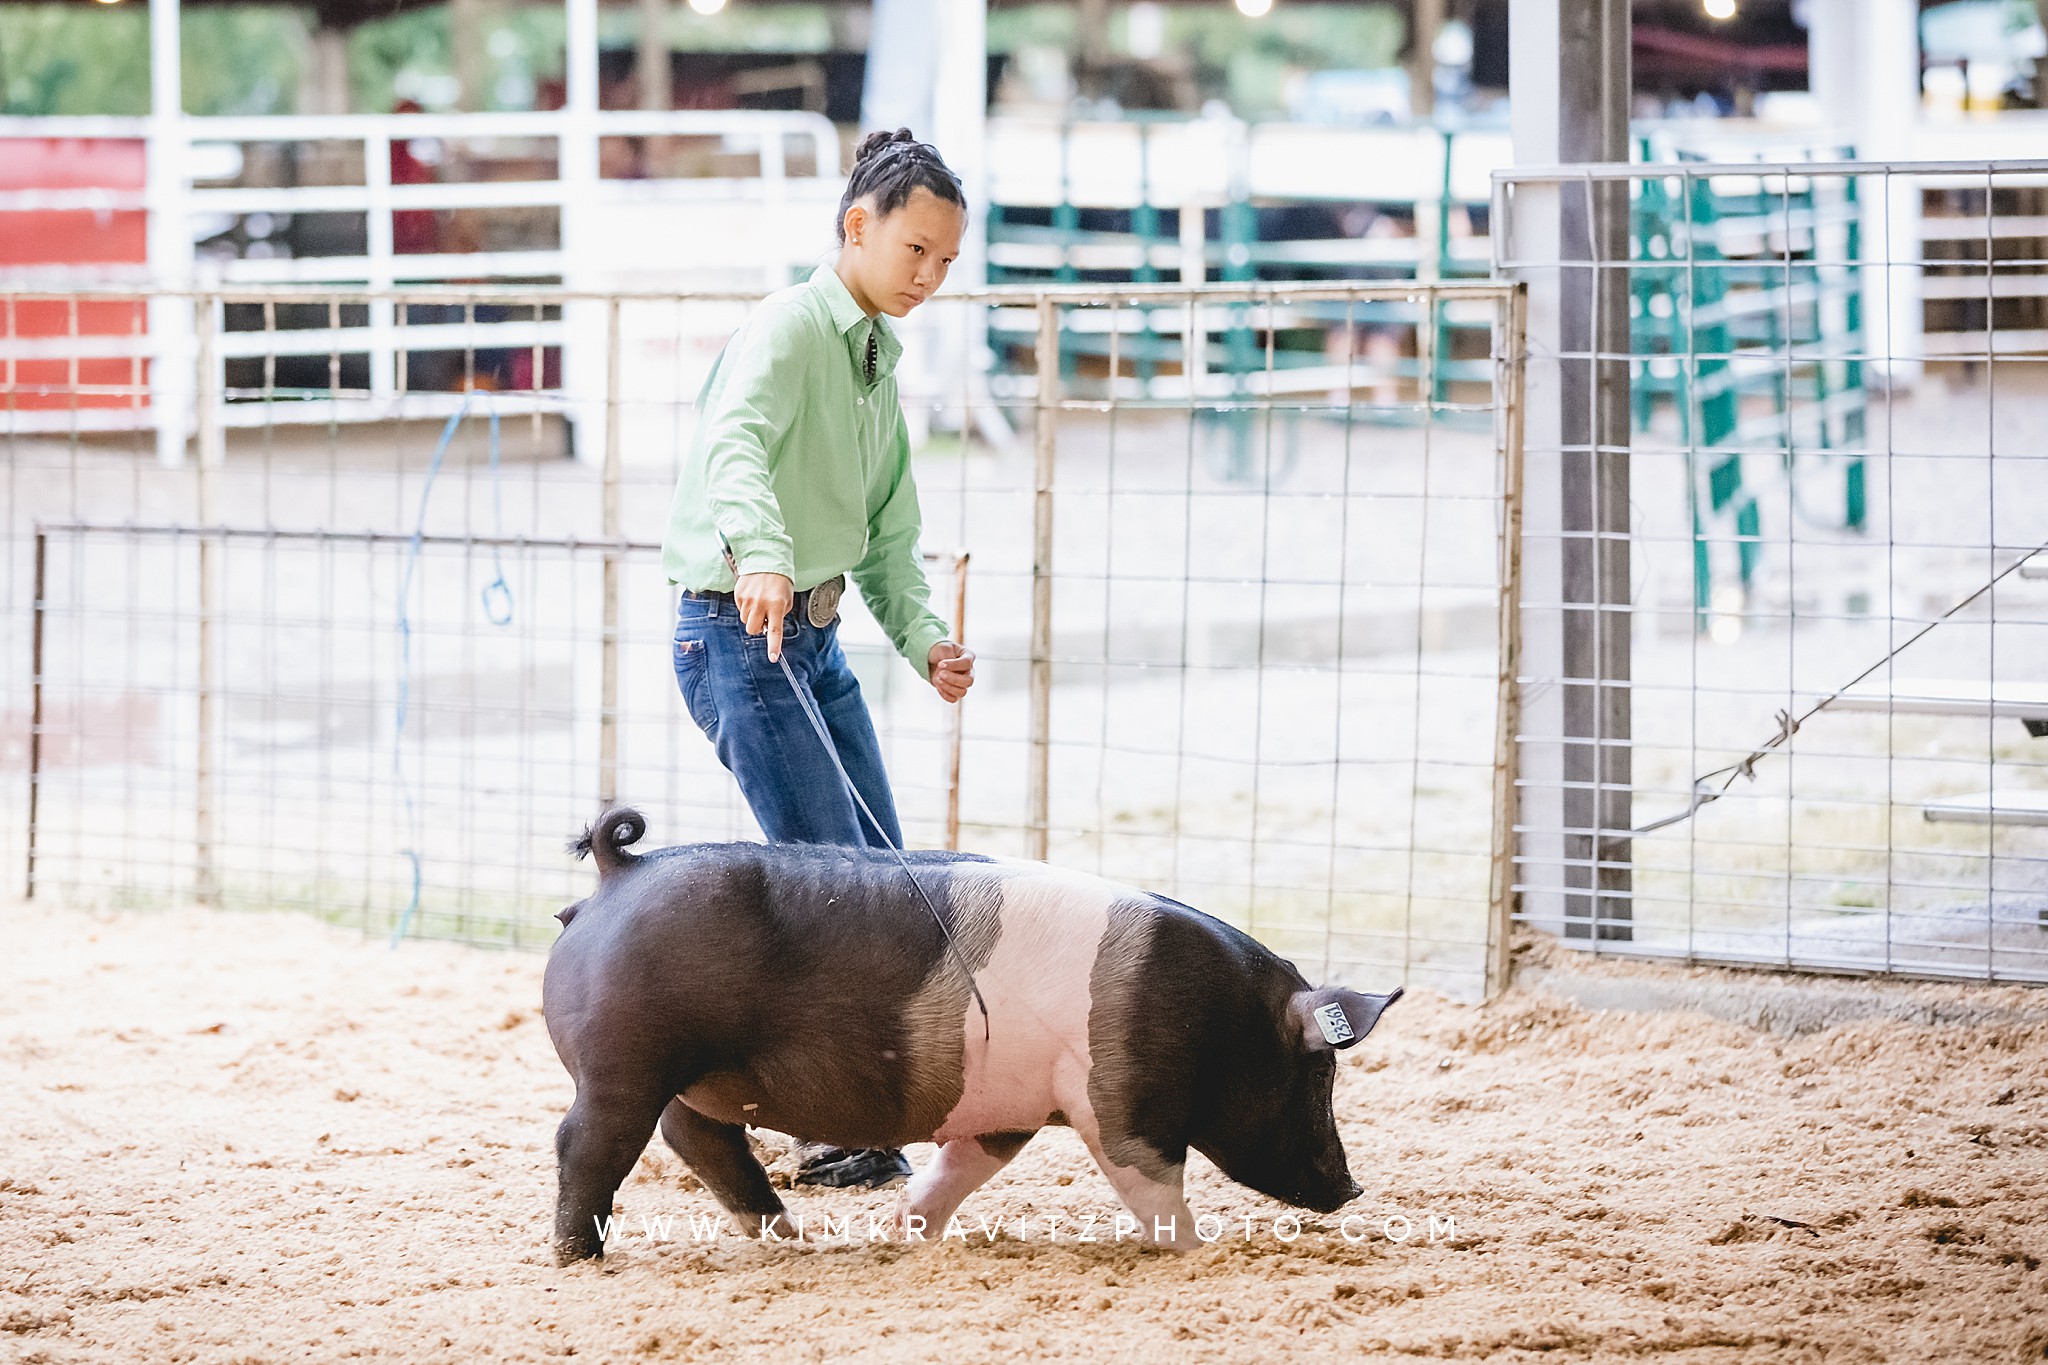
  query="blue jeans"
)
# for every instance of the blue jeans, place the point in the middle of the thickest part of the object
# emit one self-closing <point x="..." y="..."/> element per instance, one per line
<point x="744" y="705"/>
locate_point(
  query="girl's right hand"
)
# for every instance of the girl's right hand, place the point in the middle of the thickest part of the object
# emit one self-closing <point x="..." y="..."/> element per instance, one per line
<point x="764" y="599"/>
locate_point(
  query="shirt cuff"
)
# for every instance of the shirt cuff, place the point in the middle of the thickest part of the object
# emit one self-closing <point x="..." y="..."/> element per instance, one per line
<point x="764" y="555"/>
<point x="918" y="647"/>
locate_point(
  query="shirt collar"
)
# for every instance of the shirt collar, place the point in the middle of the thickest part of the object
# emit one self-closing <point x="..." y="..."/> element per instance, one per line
<point x="851" y="322"/>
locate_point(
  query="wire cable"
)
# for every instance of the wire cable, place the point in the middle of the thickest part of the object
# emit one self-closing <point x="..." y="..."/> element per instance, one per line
<point x="1704" y="793"/>
<point x="497" y="603"/>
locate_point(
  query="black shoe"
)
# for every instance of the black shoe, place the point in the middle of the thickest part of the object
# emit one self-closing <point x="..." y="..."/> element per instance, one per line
<point x="871" y="1168"/>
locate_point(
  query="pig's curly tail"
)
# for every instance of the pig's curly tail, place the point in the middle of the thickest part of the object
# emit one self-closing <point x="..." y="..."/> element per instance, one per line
<point x="609" y="838"/>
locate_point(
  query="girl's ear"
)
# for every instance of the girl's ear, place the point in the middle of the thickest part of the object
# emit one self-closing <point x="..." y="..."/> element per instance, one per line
<point x="855" y="223"/>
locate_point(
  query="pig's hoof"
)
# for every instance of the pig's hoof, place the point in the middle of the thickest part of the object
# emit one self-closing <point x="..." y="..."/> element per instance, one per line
<point x="906" y="1224"/>
<point x="774" y="1227"/>
<point x="569" y="1253"/>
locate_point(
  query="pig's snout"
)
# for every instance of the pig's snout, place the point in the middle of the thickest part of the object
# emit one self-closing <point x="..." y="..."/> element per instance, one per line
<point x="1327" y="1184"/>
<point x="1330" y="1198"/>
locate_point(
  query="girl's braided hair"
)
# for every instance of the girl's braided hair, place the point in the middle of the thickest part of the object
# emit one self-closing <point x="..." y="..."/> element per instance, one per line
<point x="891" y="166"/>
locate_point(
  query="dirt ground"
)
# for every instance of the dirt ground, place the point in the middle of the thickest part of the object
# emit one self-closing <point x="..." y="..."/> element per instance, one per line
<point x="247" y="1138"/>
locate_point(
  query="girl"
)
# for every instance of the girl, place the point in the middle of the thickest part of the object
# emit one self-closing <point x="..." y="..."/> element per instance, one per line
<point x="798" y="475"/>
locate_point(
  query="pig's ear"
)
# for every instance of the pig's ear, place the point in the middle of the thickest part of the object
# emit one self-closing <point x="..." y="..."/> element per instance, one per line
<point x="1336" y="1018"/>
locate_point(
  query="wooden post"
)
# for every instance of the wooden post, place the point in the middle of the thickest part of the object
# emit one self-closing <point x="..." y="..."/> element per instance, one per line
<point x="959" y="721"/>
<point x="212" y="454"/>
<point x="1514" y="326"/>
<point x="35" y="708"/>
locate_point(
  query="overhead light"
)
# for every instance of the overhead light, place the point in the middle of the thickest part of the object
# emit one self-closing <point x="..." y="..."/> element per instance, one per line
<point x="110" y="2"/>
<point x="1719" y="9"/>
<point x="707" y="6"/>
<point x="1254" y="9"/>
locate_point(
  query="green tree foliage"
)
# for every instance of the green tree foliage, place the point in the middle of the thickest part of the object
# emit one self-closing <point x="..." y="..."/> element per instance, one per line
<point x="411" y="55"/>
<point x="94" y="59"/>
<point x="74" y="59"/>
<point x="739" y="27"/>
<point x="243" y="59"/>
<point x="399" y="58"/>
<point x="1253" y="56"/>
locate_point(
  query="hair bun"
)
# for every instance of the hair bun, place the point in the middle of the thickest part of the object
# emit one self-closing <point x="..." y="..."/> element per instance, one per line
<point x="874" y="143"/>
<point x="890" y="167"/>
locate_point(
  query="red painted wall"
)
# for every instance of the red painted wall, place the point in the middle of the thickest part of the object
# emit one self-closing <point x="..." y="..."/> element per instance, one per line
<point x="73" y="237"/>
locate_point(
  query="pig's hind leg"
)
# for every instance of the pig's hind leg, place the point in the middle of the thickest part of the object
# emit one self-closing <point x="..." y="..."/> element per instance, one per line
<point x="961" y="1167"/>
<point x="718" y="1154"/>
<point x="595" y="1147"/>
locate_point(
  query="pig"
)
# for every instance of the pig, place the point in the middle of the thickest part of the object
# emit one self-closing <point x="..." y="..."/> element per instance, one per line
<point x="810" y="989"/>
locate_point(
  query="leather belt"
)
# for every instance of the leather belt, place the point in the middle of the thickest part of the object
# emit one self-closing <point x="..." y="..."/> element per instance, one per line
<point x="819" y="605"/>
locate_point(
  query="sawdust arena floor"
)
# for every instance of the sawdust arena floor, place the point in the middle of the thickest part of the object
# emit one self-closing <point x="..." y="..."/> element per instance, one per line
<point x="247" y="1138"/>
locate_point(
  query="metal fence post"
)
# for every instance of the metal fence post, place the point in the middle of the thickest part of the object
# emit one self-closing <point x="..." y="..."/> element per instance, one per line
<point x="608" y="698"/>
<point x="1038" y="814"/>
<point x="1594" y="546"/>
<point x="212" y="454"/>
<point x="1570" y="243"/>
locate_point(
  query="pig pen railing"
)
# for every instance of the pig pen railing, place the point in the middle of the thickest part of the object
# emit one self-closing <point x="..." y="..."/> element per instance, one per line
<point x="1241" y="602"/>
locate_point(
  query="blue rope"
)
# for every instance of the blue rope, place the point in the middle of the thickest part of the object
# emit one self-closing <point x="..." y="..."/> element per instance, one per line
<point x="497" y="592"/>
<point x="497" y="602"/>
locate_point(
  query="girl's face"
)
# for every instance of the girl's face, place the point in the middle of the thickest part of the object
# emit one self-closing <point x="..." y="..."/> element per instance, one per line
<point x="893" y="264"/>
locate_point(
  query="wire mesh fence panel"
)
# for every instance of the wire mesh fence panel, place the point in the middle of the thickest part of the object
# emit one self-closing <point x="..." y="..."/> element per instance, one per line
<point x="1787" y="637"/>
<point x="1274" y="623"/>
<point x="393" y="624"/>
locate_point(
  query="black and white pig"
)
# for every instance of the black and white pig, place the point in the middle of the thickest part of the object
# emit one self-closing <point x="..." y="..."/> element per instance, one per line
<point x="809" y="989"/>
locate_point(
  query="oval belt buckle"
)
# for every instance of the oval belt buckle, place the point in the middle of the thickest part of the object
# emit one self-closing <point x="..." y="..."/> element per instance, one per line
<point x="824" y="601"/>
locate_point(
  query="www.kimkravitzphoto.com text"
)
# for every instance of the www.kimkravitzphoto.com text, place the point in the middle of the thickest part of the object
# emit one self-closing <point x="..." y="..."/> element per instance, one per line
<point x="979" y="1230"/>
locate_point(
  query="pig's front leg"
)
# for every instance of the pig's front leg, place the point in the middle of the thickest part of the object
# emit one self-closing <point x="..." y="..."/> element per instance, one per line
<point x="961" y="1167"/>
<point x="718" y="1154"/>
<point x="606" y="1130"/>
<point x="1157" y="1202"/>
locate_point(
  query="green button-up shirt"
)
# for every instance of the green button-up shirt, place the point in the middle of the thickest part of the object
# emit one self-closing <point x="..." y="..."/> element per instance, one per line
<point x="803" y="467"/>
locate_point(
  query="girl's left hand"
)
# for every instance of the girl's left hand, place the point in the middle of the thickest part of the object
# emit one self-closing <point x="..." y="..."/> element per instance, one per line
<point x="952" y="669"/>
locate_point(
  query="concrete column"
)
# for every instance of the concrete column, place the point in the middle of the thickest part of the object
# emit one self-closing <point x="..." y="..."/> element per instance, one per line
<point x="1865" y="72"/>
<point x="2040" y="66"/>
<point x="170" y="238"/>
<point x="654" y="69"/>
<point x="1569" y="104"/>
<point x="902" y="69"/>
<point x="468" y="21"/>
<point x="326" y="87"/>
<point x="1425" y="21"/>
<point x="960" y="361"/>
<point x="851" y="27"/>
<point x="1091" y="46"/>
<point x="583" y="357"/>
<point x="959" y="125"/>
<point x="1890" y="101"/>
<point x="1831" y="73"/>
